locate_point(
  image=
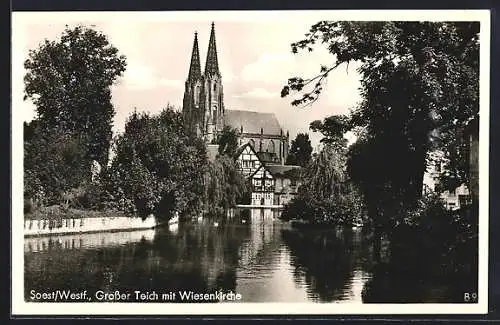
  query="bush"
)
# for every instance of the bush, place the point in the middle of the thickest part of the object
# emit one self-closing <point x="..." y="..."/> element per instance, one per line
<point x="447" y="240"/>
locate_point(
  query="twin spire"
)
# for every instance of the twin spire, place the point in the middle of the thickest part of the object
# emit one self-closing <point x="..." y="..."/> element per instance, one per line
<point x="211" y="65"/>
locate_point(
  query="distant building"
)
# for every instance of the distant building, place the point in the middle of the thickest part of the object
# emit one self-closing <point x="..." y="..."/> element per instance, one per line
<point x="263" y="184"/>
<point x="472" y="135"/>
<point x="263" y="143"/>
<point x="453" y="199"/>
<point x="247" y="160"/>
<point x="272" y="184"/>
<point x="465" y="193"/>
<point x="286" y="182"/>
<point x="205" y="114"/>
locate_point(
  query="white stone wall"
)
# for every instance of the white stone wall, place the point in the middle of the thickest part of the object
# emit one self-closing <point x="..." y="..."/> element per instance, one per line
<point x="81" y="225"/>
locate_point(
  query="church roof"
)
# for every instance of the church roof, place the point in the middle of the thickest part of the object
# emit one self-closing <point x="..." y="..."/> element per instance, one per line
<point x="252" y="122"/>
<point x="195" y="67"/>
<point x="212" y="64"/>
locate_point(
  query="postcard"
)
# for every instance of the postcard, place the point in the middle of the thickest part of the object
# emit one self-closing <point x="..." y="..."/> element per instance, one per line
<point x="250" y="162"/>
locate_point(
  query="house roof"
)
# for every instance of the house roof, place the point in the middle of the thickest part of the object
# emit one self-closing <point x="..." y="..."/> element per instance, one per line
<point x="252" y="122"/>
<point x="257" y="170"/>
<point x="242" y="147"/>
<point x="281" y="170"/>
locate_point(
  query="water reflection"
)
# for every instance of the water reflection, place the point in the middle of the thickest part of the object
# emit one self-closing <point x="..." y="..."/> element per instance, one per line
<point x="332" y="265"/>
<point x="257" y="257"/>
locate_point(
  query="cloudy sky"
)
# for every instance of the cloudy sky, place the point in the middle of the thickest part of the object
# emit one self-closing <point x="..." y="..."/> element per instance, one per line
<point x="253" y="51"/>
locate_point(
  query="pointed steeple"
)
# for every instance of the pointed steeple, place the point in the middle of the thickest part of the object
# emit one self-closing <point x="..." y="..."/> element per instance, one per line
<point x="195" y="67"/>
<point x="212" y="65"/>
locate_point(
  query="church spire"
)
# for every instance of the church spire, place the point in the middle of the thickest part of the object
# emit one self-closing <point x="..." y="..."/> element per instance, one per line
<point x="195" y="67"/>
<point x="212" y="65"/>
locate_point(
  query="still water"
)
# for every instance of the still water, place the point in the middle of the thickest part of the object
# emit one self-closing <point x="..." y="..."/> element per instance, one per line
<point x="262" y="259"/>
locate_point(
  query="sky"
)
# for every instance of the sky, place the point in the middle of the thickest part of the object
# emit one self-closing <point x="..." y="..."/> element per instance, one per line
<point x="254" y="56"/>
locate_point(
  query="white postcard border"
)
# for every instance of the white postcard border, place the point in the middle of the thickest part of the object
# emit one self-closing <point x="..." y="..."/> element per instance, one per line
<point x="20" y="307"/>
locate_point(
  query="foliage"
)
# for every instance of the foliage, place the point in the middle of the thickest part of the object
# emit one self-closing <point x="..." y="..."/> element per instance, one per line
<point x="447" y="238"/>
<point x="224" y="185"/>
<point x="327" y="196"/>
<point x="69" y="82"/>
<point x="419" y="84"/>
<point x="157" y="166"/>
<point x="228" y="141"/>
<point x="333" y="129"/>
<point x="53" y="164"/>
<point x="300" y="150"/>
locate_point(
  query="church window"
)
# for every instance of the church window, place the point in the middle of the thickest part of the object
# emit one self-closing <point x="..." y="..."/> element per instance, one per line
<point x="215" y="87"/>
<point x="270" y="146"/>
<point x="197" y="95"/>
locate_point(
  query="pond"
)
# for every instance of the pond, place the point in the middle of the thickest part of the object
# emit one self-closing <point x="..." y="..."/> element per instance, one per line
<point x="261" y="259"/>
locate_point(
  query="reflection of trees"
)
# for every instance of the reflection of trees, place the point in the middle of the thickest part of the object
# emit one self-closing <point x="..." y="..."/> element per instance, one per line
<point x="199" y="258"/>
<point x="393" y="282"/>
<point x="417" y="271"/>
<point x="324" y="260"/>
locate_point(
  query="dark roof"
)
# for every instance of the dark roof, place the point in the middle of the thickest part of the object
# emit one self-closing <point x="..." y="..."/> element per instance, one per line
<point x="252" y="122"/>
<point x="283" y="170"/>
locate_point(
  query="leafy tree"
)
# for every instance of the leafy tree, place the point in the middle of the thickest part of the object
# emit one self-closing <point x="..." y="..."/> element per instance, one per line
<point x="328" y="195"/>
<point x="53" y="163"/>
<point x="69" y="82"/>
<point x="420" y="87"/>
<point x="300" y="150"/>
<point x="228" y="141"/>
<point x="224" y="186"/>
<point x="333" y="129"/>
<point x="157" y="166"/>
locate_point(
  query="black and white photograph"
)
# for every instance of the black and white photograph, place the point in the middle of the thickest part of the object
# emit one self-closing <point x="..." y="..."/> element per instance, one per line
<point x="283" y="162"/>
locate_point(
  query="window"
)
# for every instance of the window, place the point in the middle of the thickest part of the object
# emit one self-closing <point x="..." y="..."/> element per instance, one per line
<point x="270" y="146"/>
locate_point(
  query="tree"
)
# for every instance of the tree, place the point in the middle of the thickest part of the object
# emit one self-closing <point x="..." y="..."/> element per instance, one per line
<point x="419" y="85"/>
<point x="327" y="195"/>
<point x="224" y="185"/>
<point x="228" y="141"/>
<point x="300" y="150"/>
<point x="158" y="166"/>
<point x="69" y="82"/>
<point x="333" y="129"/>
<point x="53" y="163"/>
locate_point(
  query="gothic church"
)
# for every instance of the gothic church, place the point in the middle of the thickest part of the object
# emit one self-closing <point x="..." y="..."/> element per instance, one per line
<point x="204" y="112"/>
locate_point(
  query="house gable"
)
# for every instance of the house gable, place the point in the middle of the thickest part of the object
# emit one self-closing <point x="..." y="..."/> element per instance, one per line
<point x="247" y="160"/>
